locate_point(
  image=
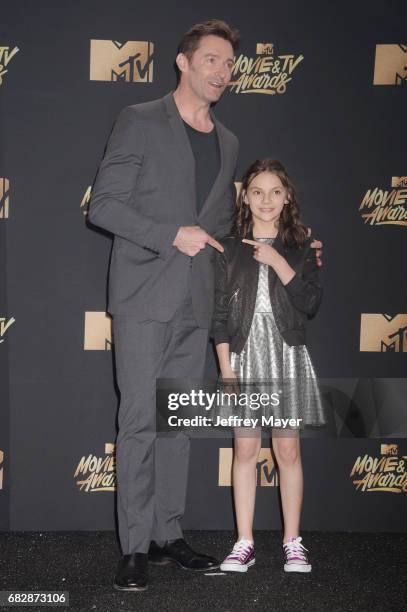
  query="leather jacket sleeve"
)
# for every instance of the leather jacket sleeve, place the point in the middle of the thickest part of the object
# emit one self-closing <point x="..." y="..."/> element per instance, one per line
<point x="219" y="329"/>
<point x="304" y="289"/>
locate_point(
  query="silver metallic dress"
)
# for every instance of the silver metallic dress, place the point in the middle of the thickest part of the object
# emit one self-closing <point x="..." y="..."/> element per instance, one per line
<point x="267" y="357"/>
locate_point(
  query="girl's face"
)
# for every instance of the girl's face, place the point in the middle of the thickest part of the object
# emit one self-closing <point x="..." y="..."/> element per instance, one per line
<point x="266" y="196"/>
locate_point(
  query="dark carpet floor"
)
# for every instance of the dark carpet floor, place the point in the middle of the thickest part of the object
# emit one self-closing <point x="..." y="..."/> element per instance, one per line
<point x="355" y="572"/>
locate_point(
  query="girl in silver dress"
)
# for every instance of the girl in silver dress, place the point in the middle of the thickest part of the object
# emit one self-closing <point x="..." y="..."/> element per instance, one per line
<point x="267" y="286"/>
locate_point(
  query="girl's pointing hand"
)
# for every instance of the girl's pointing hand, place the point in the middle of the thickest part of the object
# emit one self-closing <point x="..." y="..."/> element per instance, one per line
<point x="263" y="253"/>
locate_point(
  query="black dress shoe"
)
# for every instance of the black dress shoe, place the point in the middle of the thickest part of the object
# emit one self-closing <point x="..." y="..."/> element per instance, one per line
<point x="132" y="573"/>
<point x="182" y="554"/>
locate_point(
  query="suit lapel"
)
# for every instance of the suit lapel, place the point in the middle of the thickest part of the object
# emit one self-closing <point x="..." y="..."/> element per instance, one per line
<point x="222" y="150"/>
<point x="182" y="140"/>
<point x="184" y="147"/>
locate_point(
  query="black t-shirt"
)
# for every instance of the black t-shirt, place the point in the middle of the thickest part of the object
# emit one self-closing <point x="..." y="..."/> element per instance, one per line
<point x="205" y="147"/>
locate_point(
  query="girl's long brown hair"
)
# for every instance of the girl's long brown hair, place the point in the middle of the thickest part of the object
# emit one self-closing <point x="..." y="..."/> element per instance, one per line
<point x="291" y="229"/>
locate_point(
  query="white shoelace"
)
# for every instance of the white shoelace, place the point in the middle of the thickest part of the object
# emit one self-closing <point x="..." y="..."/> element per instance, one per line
<point x="295" y="549"/>
<point x="241" y="547"/>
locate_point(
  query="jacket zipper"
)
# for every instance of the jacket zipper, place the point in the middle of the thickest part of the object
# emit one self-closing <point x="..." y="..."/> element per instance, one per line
<point x="234" y="295"/>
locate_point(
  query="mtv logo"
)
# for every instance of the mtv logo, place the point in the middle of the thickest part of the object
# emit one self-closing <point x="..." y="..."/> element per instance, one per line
<point x="264" y="49"/>
<point x="383" y="333"/>
<point x="98" y="331"/>
<point x="86" y="200"/>
<point x="390" y="65"/>
<point x="131" y="61"/>
<point x="4" y="326"/>
<point x="389" y="449"/>
<point x="4" y="198"/>
<point x="1" y="468"/>
<point x="238" y="185"/>
<point x="265" y="468"/>
<point x="109" y="448"/>
<point x="399" y="181"/>
<point x="6" y="55"/>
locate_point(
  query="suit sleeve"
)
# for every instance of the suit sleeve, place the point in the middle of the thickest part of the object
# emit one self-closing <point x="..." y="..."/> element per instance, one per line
<point x="304" y="289"/>
<point x="110" y="206"/>
<point x="220" y="315"/>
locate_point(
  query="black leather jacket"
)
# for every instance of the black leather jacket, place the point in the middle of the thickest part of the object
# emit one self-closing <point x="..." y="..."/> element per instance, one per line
<point x="236" y="281"/>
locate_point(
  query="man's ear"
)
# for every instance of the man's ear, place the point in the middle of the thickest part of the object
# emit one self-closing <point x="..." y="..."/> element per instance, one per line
<point x="182" y="62"/>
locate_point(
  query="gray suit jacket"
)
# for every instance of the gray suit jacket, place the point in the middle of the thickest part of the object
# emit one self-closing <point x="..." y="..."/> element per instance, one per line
<point x="144" y="191"/>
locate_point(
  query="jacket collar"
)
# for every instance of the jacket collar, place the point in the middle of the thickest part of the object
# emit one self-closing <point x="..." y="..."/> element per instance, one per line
<point x="184" y="146"/>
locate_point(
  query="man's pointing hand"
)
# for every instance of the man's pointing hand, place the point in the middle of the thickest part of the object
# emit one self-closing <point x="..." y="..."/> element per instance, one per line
<point x="192" y="239"/>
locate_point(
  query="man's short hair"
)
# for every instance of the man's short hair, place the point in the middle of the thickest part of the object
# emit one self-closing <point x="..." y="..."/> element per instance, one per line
<point x="213" y="27"/>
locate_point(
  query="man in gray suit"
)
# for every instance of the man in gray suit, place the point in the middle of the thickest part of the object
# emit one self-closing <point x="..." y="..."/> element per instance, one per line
<point x="165" y="190"/>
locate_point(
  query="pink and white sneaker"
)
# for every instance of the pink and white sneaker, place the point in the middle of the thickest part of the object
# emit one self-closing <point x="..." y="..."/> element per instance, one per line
<point x="241" y="557"/>
<point x="296" y="556"/>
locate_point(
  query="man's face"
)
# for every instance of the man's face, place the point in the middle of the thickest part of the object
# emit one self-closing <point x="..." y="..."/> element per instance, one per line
<point x="209" y="70"/>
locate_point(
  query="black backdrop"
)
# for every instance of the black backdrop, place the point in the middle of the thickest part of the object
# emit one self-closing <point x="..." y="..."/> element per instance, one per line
<point x="338" y="133"/>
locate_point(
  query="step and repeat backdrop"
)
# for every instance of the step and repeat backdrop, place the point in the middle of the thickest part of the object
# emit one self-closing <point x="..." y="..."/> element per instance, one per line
<point x="320" y="86"/>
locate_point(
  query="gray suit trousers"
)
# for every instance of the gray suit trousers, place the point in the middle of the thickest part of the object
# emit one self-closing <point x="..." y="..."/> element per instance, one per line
<point x="152" y="471"/>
